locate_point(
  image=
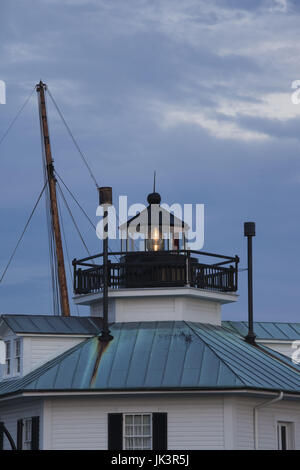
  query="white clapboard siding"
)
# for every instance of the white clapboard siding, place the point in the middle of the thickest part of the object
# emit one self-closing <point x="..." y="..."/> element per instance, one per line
<point x="12" y="411"/>
<point x="193" y="422"/>
<point x="267" y="422"/>
<point x="39" y="350"/>
<point x="81" y="423"/>
<point x="9" y="336"/>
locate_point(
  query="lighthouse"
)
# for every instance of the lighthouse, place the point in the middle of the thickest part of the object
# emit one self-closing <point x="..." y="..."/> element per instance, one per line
<point x="159" y="278"/>
<point x="153" y="366"/>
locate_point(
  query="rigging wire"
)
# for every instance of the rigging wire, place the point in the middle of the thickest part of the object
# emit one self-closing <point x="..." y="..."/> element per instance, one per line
<point x="76" y="201"/>
<point x="23" y="232"/>
<point x="73" y="220"/>
<point x="52" y="251"/>
<point x="16" y="116"/>
<point x="81" y="208"/>
<point x="82" y="156"/>
<point x="66" y="246"/>
<point x="73" y="139"/>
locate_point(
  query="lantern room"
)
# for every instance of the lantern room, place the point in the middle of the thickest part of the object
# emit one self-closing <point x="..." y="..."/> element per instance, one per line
<point x="154" y="229"/>
<point x="154" y="254"/>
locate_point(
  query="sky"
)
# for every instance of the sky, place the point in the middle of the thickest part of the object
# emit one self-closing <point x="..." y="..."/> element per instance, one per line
<point x="198" y="91"/>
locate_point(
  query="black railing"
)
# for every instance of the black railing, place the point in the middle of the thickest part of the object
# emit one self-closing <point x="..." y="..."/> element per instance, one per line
<point x="157" y="269"/>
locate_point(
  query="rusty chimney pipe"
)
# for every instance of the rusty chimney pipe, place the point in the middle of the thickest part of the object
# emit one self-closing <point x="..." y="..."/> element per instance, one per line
<point x="105" y="200"/>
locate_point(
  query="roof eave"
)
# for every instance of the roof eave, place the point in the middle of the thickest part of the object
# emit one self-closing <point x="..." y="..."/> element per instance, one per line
<point x="162" y="391"/>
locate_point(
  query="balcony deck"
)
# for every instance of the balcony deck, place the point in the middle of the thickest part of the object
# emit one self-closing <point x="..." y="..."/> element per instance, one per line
<point x="157" y="269"/>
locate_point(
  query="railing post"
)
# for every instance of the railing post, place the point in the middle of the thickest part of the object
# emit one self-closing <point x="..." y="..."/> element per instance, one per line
<point x="74" y="275"/>
<point x="231" y="278"/>
<point x="187" y="269"/>
<point x="237" y="260"/>
<point x="109" y="273"/>
<point x="79" y="281"/>
<point x="182" y="271"/>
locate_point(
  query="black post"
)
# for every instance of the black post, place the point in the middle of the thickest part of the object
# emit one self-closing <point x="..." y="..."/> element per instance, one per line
<point x="105" y="200"/>
<point x="249" y="232"/>
<point x="74" y="276"/>
<point x="4" y="429"/>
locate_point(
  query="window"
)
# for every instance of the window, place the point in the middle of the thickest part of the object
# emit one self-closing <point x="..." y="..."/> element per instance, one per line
<point x="17" y="344"/>
<point x="28" y="433"/>
<point x="27" y="423"/>
<point x="285" y="435"/>
<point x="7" y="358"/>
<point x="137" y="432"/>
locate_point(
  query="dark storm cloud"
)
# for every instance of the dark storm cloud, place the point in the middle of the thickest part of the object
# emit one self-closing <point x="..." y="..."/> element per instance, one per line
<point x="198" y="90"/>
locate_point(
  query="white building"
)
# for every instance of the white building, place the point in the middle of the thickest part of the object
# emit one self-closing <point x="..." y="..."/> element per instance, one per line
<point x="173" y="376"/>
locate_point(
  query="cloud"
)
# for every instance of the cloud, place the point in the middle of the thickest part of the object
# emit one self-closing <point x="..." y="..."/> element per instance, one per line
<point x="279" y="5"/>
<point x="199" y="90"/>
<point x="221" y="129"/>
<point x="274" y="106"/>
<point x="21" y="52"/>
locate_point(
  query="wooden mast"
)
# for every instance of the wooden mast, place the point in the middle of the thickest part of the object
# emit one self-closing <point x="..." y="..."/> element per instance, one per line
<point x="62" y="280"/>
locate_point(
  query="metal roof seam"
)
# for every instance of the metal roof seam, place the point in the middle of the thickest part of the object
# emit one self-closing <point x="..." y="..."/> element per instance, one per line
<point x="233" y="330"/>
<point x="261" y="324"/>
<point x="132" y="351"/>
<point x="34" y="324"/>
<point x="47" y="321"/>
<point x="219" y="370"/>
<point x="190" y="324"/>
<point x="91" y="320"/>
<point x="115" y="353"/>
<point x="149" y="357"/>
<point x="45" y="324"/>
<point x="243" y="366"/>
<point x="277" y="325"/>
<point x="76" y="367"/>
<point x="269" y="352"/>
<point x="274" y="358"/>
<point x="168" y="354"/>
<point x="281" y="371"/>
<point x="9" y="326"/>
<point x="292" y="327"/>
<point x="183" y="365"/>
<point x="274" y="330"/>
<point x="34" y="375"/>
<point x="234" y="362"/>
<point x="253" y="352"/>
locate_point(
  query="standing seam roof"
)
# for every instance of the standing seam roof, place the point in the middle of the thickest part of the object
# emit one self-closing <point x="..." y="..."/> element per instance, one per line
<point x="162" y="355"/>
<point x="266" y="330"/>
<point x="49" y="324"/>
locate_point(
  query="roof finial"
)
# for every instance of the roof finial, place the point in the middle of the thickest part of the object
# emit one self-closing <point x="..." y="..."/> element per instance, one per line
<point x="154" y="198"/>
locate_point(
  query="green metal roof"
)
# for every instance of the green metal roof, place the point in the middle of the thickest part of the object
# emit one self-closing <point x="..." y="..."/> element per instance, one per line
<point x="267" y="330"/>
<point x="162" y="356"/>
<point x="49" y="324"/>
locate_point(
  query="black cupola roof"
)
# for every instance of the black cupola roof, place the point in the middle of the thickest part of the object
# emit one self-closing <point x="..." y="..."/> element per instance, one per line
<point x="154" y="198"/>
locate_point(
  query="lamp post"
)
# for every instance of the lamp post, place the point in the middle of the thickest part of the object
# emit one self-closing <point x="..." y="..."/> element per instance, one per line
<point x="249" y="232"/>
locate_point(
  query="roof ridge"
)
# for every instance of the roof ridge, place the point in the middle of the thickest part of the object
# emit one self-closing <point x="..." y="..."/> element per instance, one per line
<point x="268" y="354"/>
<point x="168" y="353"/>
<point x="214" y="352"/>
<point x="231" y="330"/>
<point x="149" y="357"/>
